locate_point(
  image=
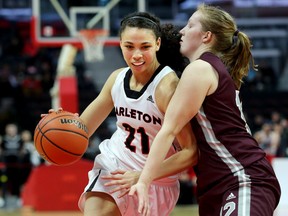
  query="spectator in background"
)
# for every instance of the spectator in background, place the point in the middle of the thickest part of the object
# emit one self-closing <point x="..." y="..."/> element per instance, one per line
<point x="268" y="138"/>
<point x="31" y="155"/>
<point x="257" y="123"/>
<point x="282" y="151"/>
<point x="276" y="117"/>
<point x="11" y="149"/>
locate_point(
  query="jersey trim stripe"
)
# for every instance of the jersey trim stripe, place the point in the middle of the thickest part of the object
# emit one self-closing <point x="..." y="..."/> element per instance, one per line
<point x="234" y="165"/>
<point x="94" y="182"/>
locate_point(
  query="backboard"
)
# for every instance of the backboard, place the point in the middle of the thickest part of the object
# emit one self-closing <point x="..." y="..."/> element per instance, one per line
<point x="55" y="22"/>
<point x="58" y="22"/>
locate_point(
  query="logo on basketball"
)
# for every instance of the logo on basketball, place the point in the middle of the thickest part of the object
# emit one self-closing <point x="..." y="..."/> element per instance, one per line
<point x="77" y="123"/>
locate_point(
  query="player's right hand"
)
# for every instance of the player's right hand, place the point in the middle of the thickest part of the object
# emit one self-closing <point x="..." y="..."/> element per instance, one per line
<point x="51" y="111"/>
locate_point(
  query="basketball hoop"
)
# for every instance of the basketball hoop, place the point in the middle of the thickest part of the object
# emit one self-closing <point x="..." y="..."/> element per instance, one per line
<point x="93" y="41"/>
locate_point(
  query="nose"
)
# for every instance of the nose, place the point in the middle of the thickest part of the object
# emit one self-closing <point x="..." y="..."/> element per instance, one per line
<point x="137" y="54"/>
<point x="182" y="31"/>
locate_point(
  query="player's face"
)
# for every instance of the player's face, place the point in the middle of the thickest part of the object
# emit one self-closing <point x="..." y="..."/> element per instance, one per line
<point x="139" y="47"/>
<point x="192" y="36"/>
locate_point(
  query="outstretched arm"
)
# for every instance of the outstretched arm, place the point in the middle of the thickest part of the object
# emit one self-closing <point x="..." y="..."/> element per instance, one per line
<point x="184" y="105"/>
<point x="185" y="158"/>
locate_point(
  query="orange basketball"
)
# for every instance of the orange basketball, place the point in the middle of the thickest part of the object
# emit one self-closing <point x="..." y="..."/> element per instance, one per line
<point x="61" y="138"/>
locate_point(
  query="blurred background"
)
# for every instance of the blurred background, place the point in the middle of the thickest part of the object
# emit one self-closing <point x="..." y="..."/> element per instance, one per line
<point x="43" y="45"/>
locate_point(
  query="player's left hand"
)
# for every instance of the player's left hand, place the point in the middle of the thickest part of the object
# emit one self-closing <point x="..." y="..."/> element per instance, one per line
<point x="123" y="180"/>
<point x="141" y="191"/>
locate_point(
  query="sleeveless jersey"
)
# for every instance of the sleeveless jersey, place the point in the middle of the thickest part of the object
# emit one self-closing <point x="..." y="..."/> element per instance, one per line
<point x="138" y="121"/>
<point x="223" y="137"/>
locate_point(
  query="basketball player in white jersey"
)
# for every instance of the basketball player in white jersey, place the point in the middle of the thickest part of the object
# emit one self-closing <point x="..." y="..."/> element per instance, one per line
<point x="139" y="95"/>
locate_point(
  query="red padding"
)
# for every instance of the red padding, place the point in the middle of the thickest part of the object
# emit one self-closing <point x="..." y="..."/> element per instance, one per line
<point x="68" y="94"/>
<point x="56" y="188"/>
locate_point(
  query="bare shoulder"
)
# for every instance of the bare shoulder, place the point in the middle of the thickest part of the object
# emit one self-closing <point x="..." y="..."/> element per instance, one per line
<point x="111" y="79"/>
<point x="169" y="81"/>
<point x="198" y="65"/>
<point x="203" y="76"/>
<point x="116" y="72"/>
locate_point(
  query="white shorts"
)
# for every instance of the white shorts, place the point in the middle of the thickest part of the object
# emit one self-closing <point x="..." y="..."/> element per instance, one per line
<point x="163" y="195"/>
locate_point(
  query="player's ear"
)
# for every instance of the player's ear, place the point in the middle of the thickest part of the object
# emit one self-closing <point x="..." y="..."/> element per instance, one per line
<point x="207" y="36"/>
<point x="158" y="44"/>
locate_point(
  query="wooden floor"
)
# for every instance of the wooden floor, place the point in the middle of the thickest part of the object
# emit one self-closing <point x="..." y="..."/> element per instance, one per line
<point x="190" y="210"/>
<point x="178" y="211"/>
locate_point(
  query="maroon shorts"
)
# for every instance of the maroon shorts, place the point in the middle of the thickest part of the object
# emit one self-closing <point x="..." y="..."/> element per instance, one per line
<point x="257" y="195"/>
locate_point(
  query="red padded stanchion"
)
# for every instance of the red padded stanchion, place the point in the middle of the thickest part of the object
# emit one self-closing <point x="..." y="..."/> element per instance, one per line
<point x="68" y="93"/>
<point x="56" y="188"/>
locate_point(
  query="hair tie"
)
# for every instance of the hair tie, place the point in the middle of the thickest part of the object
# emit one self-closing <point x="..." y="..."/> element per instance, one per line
<point x="235" y="38"/>
<point x="236" y="33"/>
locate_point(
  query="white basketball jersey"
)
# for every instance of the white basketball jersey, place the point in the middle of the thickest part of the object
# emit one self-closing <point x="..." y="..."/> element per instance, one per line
<point x="138" y="121"/>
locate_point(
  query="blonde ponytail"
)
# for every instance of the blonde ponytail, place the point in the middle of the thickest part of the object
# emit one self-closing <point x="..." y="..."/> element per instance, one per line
<point x="231" y="45"/>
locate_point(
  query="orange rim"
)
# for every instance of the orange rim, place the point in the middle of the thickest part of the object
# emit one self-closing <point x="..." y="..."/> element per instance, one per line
<point x="91" y="34"/>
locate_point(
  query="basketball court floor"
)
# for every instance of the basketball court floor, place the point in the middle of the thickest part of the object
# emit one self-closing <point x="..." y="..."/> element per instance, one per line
<point x="189" y="210"/>
<point x="12" y="209"/>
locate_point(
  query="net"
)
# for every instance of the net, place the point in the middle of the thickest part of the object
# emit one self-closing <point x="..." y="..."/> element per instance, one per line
<point x="93" y="41"/>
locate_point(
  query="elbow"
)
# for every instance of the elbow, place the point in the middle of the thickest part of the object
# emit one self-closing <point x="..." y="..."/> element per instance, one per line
<point x="192" y="157"/>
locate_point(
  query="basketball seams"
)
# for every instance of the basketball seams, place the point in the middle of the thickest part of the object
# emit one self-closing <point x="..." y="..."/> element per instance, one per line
<point x="60" y="129"/>
<point x="53" y="143"/>
<point x="45" y="153"/>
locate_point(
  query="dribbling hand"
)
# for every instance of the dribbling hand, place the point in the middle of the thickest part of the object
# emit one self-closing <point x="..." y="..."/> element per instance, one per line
<point x="52" y="110"/>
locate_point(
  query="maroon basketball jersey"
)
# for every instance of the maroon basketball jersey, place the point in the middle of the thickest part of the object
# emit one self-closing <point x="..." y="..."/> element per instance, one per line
<point x="224" y="139"/>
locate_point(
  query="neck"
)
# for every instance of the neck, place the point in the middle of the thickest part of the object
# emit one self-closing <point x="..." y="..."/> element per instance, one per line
<point x="138" y="80"/>
<point x="198" y="53"/>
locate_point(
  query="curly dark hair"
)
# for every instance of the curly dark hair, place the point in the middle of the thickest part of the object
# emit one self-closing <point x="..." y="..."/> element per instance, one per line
<point x="169" y="53"/>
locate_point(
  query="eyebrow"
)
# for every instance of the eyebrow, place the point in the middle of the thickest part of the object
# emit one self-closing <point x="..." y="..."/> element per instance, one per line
<point x="143" y="43"/>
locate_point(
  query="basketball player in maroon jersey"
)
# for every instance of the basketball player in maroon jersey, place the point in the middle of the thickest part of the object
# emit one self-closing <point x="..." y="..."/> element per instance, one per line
<point x="233" y="175"/>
